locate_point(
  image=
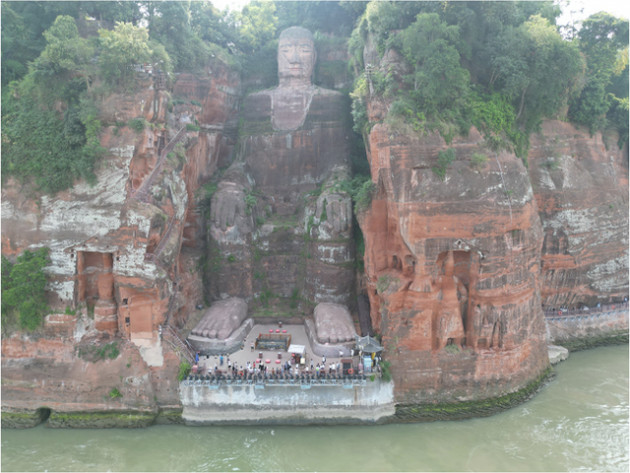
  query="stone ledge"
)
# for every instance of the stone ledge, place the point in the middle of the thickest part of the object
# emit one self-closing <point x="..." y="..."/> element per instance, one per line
<point x="101" y="420"/>
<point x="557" y="354"/>
<point x="584" y="343"/>
<point x="22" y="418"/>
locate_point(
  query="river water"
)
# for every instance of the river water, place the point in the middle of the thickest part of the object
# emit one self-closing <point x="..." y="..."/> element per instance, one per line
<point x="578" y="422"/>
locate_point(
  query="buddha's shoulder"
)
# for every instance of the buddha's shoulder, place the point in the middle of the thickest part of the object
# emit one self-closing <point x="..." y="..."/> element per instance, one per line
<point x="257" y="105"/>
<point x="321" y="92"/>
<point x="328" y="104"/>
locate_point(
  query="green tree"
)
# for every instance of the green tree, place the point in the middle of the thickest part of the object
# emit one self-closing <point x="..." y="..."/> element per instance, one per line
<point x="555" y="69"/>
<point x="65" y="58"/>
<point x="24" y="289"/>
<point x="439" y="80"/>
<point x="258" y="23"/>
<point x="176" y="25"/>
<point x="603" y="39"/>
<point x="62" y="149"/>
<point x="22" y="26"/>
<point x="323" y="16"/>
<point x="121" y="48"/>
<point x="49" y="134"/>
<point x="113" y="11"/>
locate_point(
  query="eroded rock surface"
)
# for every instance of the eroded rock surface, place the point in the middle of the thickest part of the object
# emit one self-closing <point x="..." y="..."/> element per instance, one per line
<point x="117" y="245"/>
<point x="452" y="265"/>
<point x="581" y="186"/>
<point x="126" y="248"/>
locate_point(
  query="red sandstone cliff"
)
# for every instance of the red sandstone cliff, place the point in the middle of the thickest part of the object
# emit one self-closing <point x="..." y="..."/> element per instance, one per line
<point x="456" y="269"/>
<point x="124" y="252"/>
<point x="581" y="186"/>
<point x="452" y="266"/>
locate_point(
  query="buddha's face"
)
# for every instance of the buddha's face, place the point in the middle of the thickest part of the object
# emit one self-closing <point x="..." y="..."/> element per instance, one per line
<point x="296" y="58"/>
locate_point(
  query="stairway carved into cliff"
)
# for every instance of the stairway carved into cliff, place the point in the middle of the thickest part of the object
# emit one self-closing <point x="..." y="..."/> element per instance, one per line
<point x="142" y="193"/>
<point x="170" y="336"/>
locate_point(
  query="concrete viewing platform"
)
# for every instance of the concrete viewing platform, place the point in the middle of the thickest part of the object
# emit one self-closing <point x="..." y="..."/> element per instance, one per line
<point x="275" y="359"/>
<point x="230" y="393"/>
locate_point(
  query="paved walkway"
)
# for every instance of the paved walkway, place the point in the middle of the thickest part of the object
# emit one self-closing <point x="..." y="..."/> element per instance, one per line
<point x="245" y="354"/>
<point x="586" y="311"/>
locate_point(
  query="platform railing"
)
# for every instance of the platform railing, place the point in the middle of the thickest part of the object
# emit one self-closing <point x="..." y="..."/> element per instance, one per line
<point x="606" y="308"/>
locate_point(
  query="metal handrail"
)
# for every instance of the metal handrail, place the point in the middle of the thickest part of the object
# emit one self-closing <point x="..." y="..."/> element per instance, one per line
<point x="558" y="313"/>
<point x="173" y="338"/>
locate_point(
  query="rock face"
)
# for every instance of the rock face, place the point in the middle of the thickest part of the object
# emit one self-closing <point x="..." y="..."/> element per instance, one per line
<point x="458" y="259"/>
<point x="581" y="186"/>
<point x="65" y="376"/>
<point x="280" y="224"/>
<point x="453" y="269"/>
<point x="452" y="266"/>
<point x="116" y="247"/>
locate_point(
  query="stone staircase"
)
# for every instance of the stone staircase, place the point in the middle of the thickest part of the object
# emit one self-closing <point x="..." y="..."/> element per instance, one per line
<point x="170" y="336"/>
<point x="142" y="193"/>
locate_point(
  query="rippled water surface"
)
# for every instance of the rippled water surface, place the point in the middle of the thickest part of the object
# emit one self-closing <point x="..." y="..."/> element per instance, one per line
<point x="579" y="422"/>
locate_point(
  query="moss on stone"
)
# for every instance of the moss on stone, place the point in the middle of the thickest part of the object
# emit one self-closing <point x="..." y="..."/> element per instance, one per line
<point x="469" y="409"/>
<point x="101" y="419"/>
<point x="576" y="344"/>
<point x="250" y="128"/>
<point x="170" y="416"/>
<point x="21" y="419"/>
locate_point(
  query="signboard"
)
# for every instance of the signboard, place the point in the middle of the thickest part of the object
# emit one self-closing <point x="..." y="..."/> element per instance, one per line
<point x="367" y="364"/>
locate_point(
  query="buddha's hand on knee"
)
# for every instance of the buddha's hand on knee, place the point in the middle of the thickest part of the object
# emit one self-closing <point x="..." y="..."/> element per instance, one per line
<point x="228" y="204"/>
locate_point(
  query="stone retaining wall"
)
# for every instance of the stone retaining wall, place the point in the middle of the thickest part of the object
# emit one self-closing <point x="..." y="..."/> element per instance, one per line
<point x="470" y="409"/>
<point x="589" y="329"/>
<point x="369" y="402"/>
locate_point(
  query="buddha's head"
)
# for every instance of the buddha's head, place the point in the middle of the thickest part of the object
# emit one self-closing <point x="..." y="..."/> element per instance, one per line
<point x="296" y="56"/>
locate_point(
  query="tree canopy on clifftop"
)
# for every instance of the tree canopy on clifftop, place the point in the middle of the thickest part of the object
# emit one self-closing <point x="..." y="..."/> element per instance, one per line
<point x="500" y="66"/>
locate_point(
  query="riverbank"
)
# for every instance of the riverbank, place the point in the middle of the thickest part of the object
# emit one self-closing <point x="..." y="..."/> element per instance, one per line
<point x="583" y="329"/>
<point x="577" y="422"/>
<point x="61" y="388"/>
<point x="471" y="409"/>
<point x="365" y="402"/>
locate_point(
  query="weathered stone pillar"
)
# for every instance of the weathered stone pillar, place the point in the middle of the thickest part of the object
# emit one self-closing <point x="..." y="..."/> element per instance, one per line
<point x="80" y="276"/>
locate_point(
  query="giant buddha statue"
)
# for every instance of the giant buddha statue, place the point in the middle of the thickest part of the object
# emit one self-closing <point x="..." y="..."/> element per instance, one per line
<point x="280" y="226"/>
